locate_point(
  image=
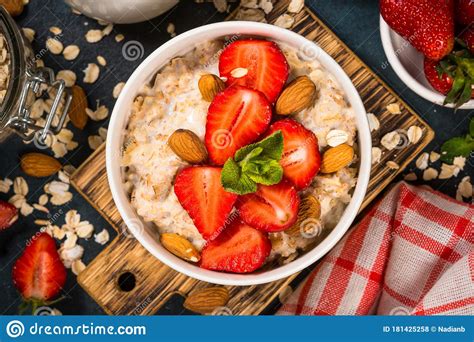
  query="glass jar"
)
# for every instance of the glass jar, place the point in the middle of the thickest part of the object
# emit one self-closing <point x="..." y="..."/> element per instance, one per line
<point x="26" y="80"/>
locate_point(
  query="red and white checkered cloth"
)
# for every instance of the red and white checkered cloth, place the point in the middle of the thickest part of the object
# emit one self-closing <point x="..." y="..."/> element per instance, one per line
<point x="412" y="254"/>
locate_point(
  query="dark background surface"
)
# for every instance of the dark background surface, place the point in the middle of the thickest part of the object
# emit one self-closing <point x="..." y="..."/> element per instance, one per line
<point x="356" y="22"/>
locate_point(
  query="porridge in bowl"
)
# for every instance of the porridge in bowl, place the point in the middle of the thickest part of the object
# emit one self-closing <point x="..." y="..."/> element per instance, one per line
<point x="241" y="154"/>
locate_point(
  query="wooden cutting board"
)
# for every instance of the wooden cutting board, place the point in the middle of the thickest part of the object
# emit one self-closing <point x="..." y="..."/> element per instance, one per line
<point x="125" y="279"/>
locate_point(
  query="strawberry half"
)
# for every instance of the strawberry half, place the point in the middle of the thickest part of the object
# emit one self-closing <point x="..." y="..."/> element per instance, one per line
<point x="236" y="117"/>
<point x="301" y="159"/>
<point x="8" y="215"/>
<point x="38" y="273"/>
<point x="239" y="249"/>
<point x="201" y="194"/>
<point x="272" y="208"/>
<point x="266" y="66"/>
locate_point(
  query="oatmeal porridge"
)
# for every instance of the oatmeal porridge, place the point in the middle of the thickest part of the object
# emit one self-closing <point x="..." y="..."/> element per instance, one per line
<point x="173" y="101"/>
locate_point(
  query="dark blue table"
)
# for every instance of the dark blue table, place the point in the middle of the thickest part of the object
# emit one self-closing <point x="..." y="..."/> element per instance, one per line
<point x="356" y="22"/>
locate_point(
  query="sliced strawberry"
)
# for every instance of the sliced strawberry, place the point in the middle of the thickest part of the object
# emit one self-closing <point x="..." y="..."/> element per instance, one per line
<point x="272" y="208"/>
<point x="266" y="66"/>
<point x="301" y="159"/>
<point x="236" y="117"/>
<point x="8" y="215"/>
<point x="201" y="194"/>
<point x="39" y="274"/>
<point x="239" y="249"/>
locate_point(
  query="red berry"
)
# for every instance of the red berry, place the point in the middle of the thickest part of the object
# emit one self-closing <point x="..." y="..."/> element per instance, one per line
<point x="201" y="194"/>
<point x="464" y="10"/>
<point x="238" y="249"/>
<point x="39" y="273"/>
<point x="265" y="64"/>
<point x="8" y="215"/>
<point x="272" y="208"/>
<point x="443" y="84"/>
<point x="236" y="117"/>
<point x="301" y="159"/>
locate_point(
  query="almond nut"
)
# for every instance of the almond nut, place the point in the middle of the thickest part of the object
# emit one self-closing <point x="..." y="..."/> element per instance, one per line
<point x="187" y="146"/>
<point x="180" y="247"/>
<point x="310" y="209"/>
<point x="39" y="165"/>
<point x="209" y="85"/>
<point x="297" y="95"/>
<point x="13" y="7"/>
<point x="336" y="158"/>
<point x="77" y="110"/>
<point x="206" y="300"/>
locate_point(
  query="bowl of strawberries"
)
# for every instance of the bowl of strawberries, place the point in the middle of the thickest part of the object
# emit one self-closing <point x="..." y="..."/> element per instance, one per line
<point x="238" y="153"/>
<point x="430" y="46"/>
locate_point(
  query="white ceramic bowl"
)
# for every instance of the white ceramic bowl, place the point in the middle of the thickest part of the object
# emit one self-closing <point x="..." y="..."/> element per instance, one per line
<point x="147" y="235"/>
<point x="407" y="62"/>
<point x="122" y="11"/>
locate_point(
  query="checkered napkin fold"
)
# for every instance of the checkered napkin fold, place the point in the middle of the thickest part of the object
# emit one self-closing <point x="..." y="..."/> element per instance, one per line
<point x="412" y="254"/>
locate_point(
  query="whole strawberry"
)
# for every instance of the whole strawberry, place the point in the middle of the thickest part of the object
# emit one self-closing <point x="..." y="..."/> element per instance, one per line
<point x="427" y="24"/>
<point x="39" y="273"/>
<point x="464" y="10"/>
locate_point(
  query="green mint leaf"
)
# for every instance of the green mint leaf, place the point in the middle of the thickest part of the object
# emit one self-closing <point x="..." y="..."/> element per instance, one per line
<point x="272" y="147"/>
<point x="456" y="89"/>
<point x="269" y="172"/>
<point x="471" y="128"/>
<point x="456" y="147"/>
<point x="233" y="180"/>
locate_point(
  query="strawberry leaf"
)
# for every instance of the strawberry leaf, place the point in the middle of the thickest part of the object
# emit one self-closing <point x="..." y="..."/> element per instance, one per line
<point x="456" y="147"/>
<point x="471" y="128"/>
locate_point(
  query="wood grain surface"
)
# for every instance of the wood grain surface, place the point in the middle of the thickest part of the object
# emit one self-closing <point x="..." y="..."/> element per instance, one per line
<point x="155" y="282"/>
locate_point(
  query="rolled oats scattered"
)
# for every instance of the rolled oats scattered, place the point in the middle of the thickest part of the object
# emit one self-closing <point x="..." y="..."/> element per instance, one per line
<point x="17" y="200"/>
<point x="374" y="123"/>
<point x="65" y="135"/>
<point x="103" y="133"/>
<point x="29" y="33"/>
<point x="336" y="137"/>
<point x="41" y="222"/>
<point x="91" y="73"/>
<point x="37" y="109"/>
<point x="414" y="134"/>
<point x="43" y="199"/>
<point x="376" y="155"/>
<point x="448" y="171"/>
<point x="5" y="185"/>
<point x="102" y="22"/>
<point x="63" y="177"/>
<point x="251" y="14"/>
<point x="68" y="76"/>
<point x="99" y="114"/>
<point x="464" y="189"/>
<point x="295" y="6"/>
<point x="68" y="255"/>
<point x="108" y="29"/>
<point x="55" y="30"/>
<point x="101" y="60"/>
<point x="392" y="165"/>
<point x="26" y="209"/>
<point x="394" y="108"/>
<point x="119" y="38"/>
<point x="84" y="230"/>
<point x="94" y="36"/>
<point x="71" y="240"/>
<point x="77" y="267"/>
<point x="118" y="89"/>
<point x="266" y="6"/>
<point x="61" y="199"/>
<point x="69" y="169"/>
<point x="422" y="161"/>
<point x="410" y="177"/>
<point x="285" y="21"/>
<point x="434" y="156"/>
<point x="430" y="174"/>
<point x="71" y="52"/>
<point x="94" y="141"/>
<point x="460" y="162"/>
<point x="59" y="149"/>
<point x="20" y="186"/>
<point x="54" y="46"/>
<point x="390" y="140"/>
<point x="171" y="29"/>
<point x="40" y="207"/>
<point x="72" y="218"/>
<point x="220" y="5"/>
<point x="102" y="238"/>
